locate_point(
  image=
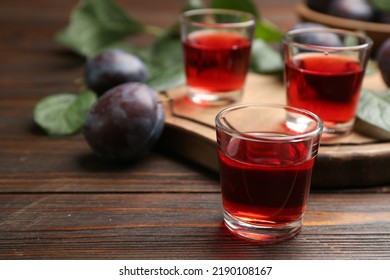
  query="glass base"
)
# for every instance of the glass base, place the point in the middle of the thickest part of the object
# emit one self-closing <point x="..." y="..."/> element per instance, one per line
<point x="266" y="233"/>
<point x="203" y="97"/>
<point x="335" y="130"/>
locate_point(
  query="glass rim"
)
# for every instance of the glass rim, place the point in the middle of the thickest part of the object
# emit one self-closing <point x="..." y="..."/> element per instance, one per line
<point x="271" y="138"/>
<point x="187" y="17"/>
<point x="288" y="38"/>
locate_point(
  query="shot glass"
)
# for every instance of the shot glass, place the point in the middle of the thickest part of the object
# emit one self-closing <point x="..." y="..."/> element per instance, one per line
<point x="266" y="157"/>
<point x="324" y="70"/>
<point x="217" y="47"/>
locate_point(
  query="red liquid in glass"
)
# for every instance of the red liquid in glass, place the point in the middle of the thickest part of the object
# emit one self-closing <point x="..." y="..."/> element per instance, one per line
<point x="261" y="188"/>
<point x="216" y="61"/>
<point x="327" y="85"/>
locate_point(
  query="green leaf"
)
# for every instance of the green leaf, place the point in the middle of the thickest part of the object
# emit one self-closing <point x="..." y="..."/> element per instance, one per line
<point x="374" y="114"/>
<point x="264" y="59"/>
<point x="264" y="30"/>
<point x="166" y="67"/>
<point x="167" y="49"/>
<point x="94" y="25"/>
<point x="383" y="5"/>
<point x="63" y="113"/>
<point x="268" y="32"/>
<point x="165" y="63"/>
<point x="241" y="5"/>
<point x="165" y="58"/>
<point x="193" y="4"/>
<point x="172" y="77"/>
<point x="371" y="68"/>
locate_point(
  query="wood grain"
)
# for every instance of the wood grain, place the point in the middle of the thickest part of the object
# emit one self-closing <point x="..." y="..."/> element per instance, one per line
<point x="181" y="226"/>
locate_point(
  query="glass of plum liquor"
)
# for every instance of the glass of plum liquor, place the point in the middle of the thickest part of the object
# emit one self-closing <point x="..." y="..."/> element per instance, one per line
<point x="324" y="70"/>
<point x="266" y="157"/>
<point x="217" y="47"/>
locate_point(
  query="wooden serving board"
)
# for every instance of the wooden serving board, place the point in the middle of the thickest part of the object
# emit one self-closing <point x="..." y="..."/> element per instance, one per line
<point x="352" y="161"/>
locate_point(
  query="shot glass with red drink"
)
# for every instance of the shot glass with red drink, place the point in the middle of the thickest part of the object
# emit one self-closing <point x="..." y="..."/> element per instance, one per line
<point x="217" y="47"/>
<point x="324" y="70"/>
<point x="266" y="156"/>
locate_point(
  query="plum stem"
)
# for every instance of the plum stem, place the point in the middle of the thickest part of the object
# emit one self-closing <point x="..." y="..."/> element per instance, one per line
<point x="80" y="82"/>
<point x="164" y="98"/>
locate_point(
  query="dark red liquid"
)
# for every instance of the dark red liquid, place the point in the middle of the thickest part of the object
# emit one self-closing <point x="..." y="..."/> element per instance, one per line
<point x="327" y="85"/>
<point x="258" y="187"/>
<point x="216" y="62"/>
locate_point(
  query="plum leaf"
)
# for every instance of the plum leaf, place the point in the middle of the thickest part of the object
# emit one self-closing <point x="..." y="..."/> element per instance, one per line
<point x="264" y="59"/>
<point x="383" y="5"/>
<point x="264" y="30"/>
<point x="165" y="61"/>
<point x="268" y="32"/>
<point x="63" y="113"/>
<point x="373" y="114"/>
<point x="172" y="77"/>
<point x="241" y="5"/>
<point x="193" y="4"/>
<point x="94" y="25"/>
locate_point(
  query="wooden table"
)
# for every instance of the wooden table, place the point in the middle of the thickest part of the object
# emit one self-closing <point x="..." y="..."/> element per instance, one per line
<point x="58" y="202"/>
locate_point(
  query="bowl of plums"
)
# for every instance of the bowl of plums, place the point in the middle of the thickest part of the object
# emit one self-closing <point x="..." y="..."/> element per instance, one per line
<point x="369" y="16"/>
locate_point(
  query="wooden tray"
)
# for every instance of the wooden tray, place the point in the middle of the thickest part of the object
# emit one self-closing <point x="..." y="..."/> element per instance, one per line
<point x="352" y="161"/>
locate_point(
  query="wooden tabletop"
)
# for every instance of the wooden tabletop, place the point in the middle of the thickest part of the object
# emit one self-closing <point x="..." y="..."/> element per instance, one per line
<point x="58" y="202"/>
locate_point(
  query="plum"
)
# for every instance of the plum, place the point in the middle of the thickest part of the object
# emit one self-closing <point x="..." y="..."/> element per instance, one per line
<point x="317" y="38"/>
<point x="124" y="123"/>
<point x="111" y="68"/>
<point x="383" y="59"/>
<point x="352" y="9"/>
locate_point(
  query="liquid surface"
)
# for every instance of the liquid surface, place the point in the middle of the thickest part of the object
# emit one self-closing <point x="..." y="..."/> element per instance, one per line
<point x="216" y="61"/>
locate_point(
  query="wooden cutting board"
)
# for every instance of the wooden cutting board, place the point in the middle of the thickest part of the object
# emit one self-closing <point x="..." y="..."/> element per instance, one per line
<point x="352" y="161"/>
